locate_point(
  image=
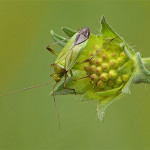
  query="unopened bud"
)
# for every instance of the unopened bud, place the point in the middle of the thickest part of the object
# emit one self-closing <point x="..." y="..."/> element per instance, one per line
<point x="98" y="61"/>
<point x="125" y="77"/>
<point x="118" y="80"/>
<point x="94" y="77"/>
<point x="92" y="68"/>
<point x="104" y="77"/>
<point x="86" y="67"/>
<point x="105" y="66"/>
<point x="111" y="83"/>
<point x="113" y="63"/>
<point x="112" y="74"/>
<point x="98" y="70"/>
<point x="120" y="60"/>
<point x="101" y="84"/>
<point x="105" y="57"/>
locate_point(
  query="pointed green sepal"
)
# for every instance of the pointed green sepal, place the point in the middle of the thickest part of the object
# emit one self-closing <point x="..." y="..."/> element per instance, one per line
<point x="61" y="40"/>
<point x="69" y="32"/>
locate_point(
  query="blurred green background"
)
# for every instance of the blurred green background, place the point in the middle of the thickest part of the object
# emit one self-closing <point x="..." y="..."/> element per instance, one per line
<point x="28" y="120"/>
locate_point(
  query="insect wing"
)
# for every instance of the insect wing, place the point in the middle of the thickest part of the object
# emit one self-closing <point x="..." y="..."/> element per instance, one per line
<point x="66" y="50"/>
<point x="74" y="54"/>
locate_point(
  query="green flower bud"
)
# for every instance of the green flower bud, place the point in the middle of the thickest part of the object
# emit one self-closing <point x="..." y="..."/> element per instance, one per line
<point x="113" y="63"/>
<point x="98" y="61"/>
<point x="120" y="60"/>
<point x="118" y="80"/>
<point x="92" y="61"/>
<point x="92" y="53"/>
<point x="123" y="54"/>
<point x="86" y="67"/>
<point x="125" y="77"/>
<point x="92" y="68"/>
<point x="97" y="47"/>
<point x="105" y="67"/>
<point x="114" y="55"/>
<point x="101" y="84"/>
<point x="104" y="77"/>
<point x="98" y="70"/>
<point x="105" y="56"/>
<point x="111" y="83"/>
<point x="94" y="77"/>
<point x="112" y="74"/>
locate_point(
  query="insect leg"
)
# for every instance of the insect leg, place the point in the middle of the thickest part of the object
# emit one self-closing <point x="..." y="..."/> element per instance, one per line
<point x="81" y="78"/>
<point x="55" y="105"/>
<point x="72" y="77"/>
<point x="65" y="85"/>
<point x="52" y="51"/>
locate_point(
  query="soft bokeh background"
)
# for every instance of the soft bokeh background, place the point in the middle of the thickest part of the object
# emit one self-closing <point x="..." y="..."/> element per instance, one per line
<point x="28" y="120"/>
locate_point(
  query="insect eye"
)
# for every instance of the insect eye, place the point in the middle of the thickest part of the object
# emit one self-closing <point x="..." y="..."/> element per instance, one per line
<point x="82" y="35"/>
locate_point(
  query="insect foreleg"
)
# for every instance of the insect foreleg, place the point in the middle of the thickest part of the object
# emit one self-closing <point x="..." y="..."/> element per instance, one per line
<point x="52" y="51"/>
<point x="72" y="77"/>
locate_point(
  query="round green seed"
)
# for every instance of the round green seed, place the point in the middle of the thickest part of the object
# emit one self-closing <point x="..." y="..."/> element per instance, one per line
<point x="98" y="61"/>
<point x="92" y="68"/>
<point x="113" y="63"/>
<point x="120" y="60"/>
<point x="111" y="83"/>
<point x="94" y="77"/>
<point x="125" y="77"/>
<point x="98" y="70"/>
<point x="104" y="77"/>
<point x="101" y="84"/>
<point x="86" y="67"/>
<point x="113" y="74"/>
<point x="105" y="67"/>
<point x="118" y="80"/>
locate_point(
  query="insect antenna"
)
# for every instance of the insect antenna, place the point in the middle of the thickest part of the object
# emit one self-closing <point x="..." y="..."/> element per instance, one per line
<point x="28" y="88"/>
<point x="56" y="105"/>
<point x="51" y="50"/>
